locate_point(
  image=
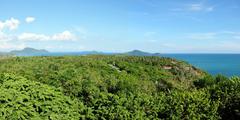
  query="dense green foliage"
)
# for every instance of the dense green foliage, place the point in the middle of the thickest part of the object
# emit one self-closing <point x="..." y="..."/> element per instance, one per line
<point x="226" y="91"/>
<point x="24" y="99"/>
<point x="113" y="87"/>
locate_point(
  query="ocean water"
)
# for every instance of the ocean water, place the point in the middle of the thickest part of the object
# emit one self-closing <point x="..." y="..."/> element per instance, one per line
<point x="226" y="64"/>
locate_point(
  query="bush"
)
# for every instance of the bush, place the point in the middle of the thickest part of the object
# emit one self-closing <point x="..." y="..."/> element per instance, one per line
<point x="193" y="105"/>
<point x="205" y="82"/>
<point x="24" y="99"/>
<point x="228" y="92"/>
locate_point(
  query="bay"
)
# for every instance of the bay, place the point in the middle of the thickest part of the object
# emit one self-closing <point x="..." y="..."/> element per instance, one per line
<point x="226" y="64"/>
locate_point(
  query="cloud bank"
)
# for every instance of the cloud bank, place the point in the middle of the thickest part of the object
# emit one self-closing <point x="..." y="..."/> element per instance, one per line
<point x="64" y="36"/>
<point x="10" y="24"/>
<point x="16" y="40"/>
<point x="13" y="24"/>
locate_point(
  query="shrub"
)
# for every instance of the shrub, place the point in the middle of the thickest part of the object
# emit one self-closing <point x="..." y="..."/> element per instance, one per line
<point x="24" y="99"/>
<point x="228" y="92"/>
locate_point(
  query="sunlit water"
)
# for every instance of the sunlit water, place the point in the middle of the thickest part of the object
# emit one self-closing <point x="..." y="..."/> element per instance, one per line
<point x="226" y="64"/>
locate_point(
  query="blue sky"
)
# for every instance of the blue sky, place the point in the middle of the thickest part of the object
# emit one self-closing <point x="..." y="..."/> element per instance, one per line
<point x="165" y="26"/>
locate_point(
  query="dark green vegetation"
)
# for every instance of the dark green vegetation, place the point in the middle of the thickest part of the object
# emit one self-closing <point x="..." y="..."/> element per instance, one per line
<point x="113" y="87"/>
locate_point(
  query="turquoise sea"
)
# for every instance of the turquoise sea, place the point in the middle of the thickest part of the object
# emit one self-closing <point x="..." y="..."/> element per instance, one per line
<point x="226" y="64"/>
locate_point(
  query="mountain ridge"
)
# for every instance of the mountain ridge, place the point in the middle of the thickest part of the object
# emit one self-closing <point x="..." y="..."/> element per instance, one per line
<point x="28" y="51"/>
<point x="141" y="53"/>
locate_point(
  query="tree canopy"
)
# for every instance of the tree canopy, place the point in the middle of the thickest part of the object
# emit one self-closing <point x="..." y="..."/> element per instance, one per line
<point x="113" y="87"/>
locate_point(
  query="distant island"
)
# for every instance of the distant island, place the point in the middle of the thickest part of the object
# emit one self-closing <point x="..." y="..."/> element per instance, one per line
<point x="141" y="53"/>
<point x="28" y="52"/>
<point x="42" y="52"/>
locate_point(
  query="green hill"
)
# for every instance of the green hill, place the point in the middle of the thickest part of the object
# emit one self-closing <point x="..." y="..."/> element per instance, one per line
<point x="113" y="87"/>
<point x="141" y="53"/>
<point x="28" y="52"/>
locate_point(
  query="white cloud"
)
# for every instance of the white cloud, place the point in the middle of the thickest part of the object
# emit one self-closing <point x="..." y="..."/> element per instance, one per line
<point x="11" y="40"/>
<point x="5" y="37"/>
<point x="11" y="46"/>
<point x="33" y="37"/>
<point x="11" y="24"/>
<point x="64" y="48"/>
<point x="1" y="25"/>
<point x="64" y="36"/>
<point x="195" y="7"/>
<point x="30" y="19"/>
<point x="199" y="7"/>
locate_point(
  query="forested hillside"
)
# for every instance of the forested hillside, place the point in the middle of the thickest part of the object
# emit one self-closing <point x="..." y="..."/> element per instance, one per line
<point x="113" y="87"/>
